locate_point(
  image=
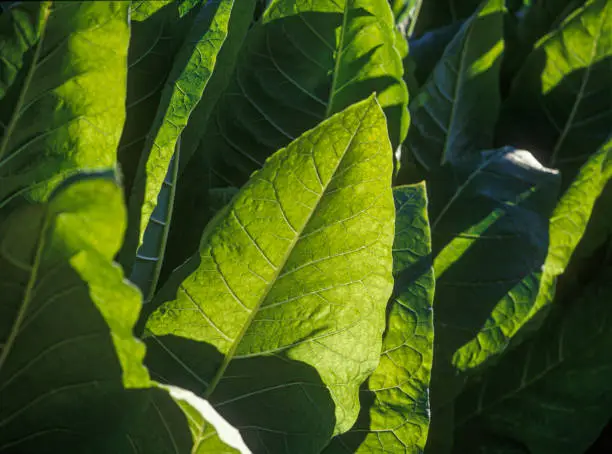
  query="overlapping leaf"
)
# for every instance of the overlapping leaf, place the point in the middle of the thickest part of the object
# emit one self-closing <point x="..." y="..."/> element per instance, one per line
<point x="552" y="394"/>
<point x="303" y="61"/>
<point x="157" y="31"/>
<point x="498" y="207"/>
<point x="282" y="310"/>
<point x="68" y="111"/>
<point x="560" y="104"/>
<point x="20" y="29"/>
<point x="454" y="114"/>
<point x="187" y="81"/>
<point x="66" y="323"/>
<point x="395" y="413"/>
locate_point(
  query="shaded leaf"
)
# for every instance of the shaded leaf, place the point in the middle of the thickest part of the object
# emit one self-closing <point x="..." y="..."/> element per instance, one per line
<point x="560" y="104"/>
<point x="282" y="310"/>
<point x="188" y="78"/>
<point x="454" y="114"/>
<point x="496" y="206"/>
<point x="67" y="351"/>
<point x="553" y="393"/>
<point x="305" y="61"/>
<point x="394" y="414"/>
<point x="20" y="29"/>
<point x="154" y="43"/>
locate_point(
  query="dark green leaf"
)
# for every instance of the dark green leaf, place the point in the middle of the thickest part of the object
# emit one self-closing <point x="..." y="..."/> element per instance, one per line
<point x="189" y="77"/>
<point x="281" y="312"/>
<point x="394" y="414"/>
<point x="454" y="114"/>
<point x="553" y="394"/>
<point x="20" y="29"/>
<point x="435" y="14"/>
<point x="427" y="50"/>
<point x="491" y="238"/>
<point x="154" y="42"/>
<point x="66" y="347"/>
<point x="189" y="92"/>
<point x="305" y="61"/>
<point x="561" y="101"/>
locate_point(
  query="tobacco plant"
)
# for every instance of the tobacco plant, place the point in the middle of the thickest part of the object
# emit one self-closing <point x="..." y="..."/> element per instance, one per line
<point x="305" y="226"/>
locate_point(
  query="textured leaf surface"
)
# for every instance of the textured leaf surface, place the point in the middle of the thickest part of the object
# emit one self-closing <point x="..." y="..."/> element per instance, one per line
<point x="141" y="10"/>
<point x="67" y="351"/>
<point x="454" y="114"/>
<point x="20" y="29"/>
<point x="190" y="74"/>
<point x="154" y="43"/>
<point x="499" y="207"/>
<point x="303" y="61"/>
<point x="68" y="111"/>
<point x="561" y="101"/>
<point x="552" y="394"/>
<point x="282" y="310"/>
<point x="394" y="414"/>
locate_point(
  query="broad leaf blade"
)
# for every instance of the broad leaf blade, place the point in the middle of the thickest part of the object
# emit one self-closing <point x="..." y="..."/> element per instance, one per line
<point x="154" y="43"/>
<point x="560" y="104"/>
<point x="394" y="413"/>
<point x="66" y="319"/>
<point x="68" y="111"/>
<point x="283" y="307"/>
<point x="569" y="222"/>
<point x="499" y="206"/>
<point x="20" y="29"/>
<point x="454" y="114"/>
<point x="188" y="79"/>
<point x="552" y="394"/>
<point x="301" y="62"/>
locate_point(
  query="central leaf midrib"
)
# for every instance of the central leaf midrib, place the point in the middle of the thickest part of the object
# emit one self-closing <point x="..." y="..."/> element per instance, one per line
<point x="570" y="119"/>
<point x="559" y="362"/>
<point x="29" y="290"/>
<point x="338" y="58"/>
<point x="460" y="73"/>
<point x="230" y="354"/>
<point x="28" y="79"/>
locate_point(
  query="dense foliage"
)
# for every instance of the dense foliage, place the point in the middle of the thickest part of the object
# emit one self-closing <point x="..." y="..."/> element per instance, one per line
<point x="305" y="226"/>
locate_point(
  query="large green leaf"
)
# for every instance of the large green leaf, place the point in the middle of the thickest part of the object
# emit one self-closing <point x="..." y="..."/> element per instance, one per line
<point x="435" y="14"/>
<point x="454" y="114"/>
<point x="199" y="74"/>
<point x="551" y="395"/>
<point x="67" y="111"/>
<point x="394" y="414"/>
<point x="282" y="310"/>
<point x="542" y="16"/>
<point x="569" y="222"/>
<point x="154" y="43"/>
<point x="304" y="61"/>
<point x="186" y="83"/>
<point x="427" y="50"/>
<point x="142" y="10"/>
<point x="66" y="317"/>
<point x="482" y="210"/>
<point x="20" y="29"/>
<point x="560" y="104"/>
